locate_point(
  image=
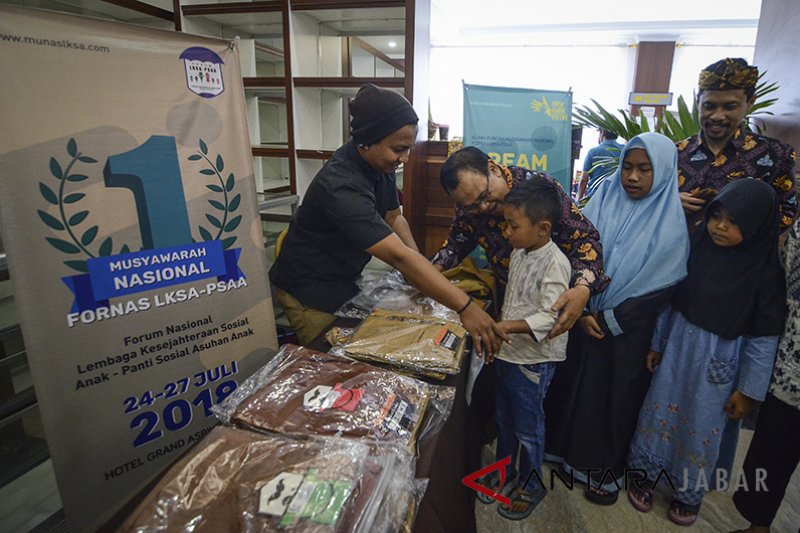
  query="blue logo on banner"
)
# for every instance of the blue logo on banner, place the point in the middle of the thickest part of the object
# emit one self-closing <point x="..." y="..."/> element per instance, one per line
<point x="170" y="255"/>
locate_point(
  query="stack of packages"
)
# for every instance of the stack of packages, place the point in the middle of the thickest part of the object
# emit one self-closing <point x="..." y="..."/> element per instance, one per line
<point x="422" y="345"/>
<point x="285" y="467"/>
<point x="238" y="480"/>
<point x="305" y="392"/>
<point x="402" y="329"/>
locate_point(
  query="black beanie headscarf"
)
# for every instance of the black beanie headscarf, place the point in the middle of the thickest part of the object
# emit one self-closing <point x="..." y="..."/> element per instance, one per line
<point x="377" y="113"/>
<point x="738" y="290"/>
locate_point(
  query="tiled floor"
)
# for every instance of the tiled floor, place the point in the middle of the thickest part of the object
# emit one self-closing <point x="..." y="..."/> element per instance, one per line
<point x="569" y="512"/>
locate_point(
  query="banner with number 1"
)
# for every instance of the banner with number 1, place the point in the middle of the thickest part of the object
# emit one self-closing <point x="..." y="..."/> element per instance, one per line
<point x="134" y="243"/>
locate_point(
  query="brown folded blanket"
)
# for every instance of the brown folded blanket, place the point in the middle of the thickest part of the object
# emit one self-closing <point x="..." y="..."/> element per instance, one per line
<point x="417" y="343"/>
<point x="313" y="393"/>
<point x="237" y="480"/>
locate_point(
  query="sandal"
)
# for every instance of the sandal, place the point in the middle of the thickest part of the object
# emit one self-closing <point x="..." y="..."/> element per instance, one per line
<point x="683" y="514"/>
<point x="531" y="499"/>
<point x="600" y="496"/>
<point x="492" y="482"/>
<point x="641" y="497"/>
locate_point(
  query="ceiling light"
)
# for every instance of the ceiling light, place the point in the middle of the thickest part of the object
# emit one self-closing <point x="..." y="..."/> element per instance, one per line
<point x="392" y="44"/>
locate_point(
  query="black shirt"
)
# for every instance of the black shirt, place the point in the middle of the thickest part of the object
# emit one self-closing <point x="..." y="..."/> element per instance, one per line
<point x="342" y="215"/>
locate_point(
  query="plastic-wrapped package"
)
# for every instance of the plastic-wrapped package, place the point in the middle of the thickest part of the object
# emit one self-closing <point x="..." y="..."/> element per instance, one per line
<point x="396" y="509"/>
<point x="388" y="290"/>
<point x="337" y="336"/>
<point x="238" y="480"/>
<point x="406" y="517"/>
<point x="416" y="343"/>
<point x="305" y="392"/>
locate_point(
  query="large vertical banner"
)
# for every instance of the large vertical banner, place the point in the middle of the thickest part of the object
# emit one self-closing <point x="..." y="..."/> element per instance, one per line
<point x="134" y="243"/>
<point x="523" y="127"/>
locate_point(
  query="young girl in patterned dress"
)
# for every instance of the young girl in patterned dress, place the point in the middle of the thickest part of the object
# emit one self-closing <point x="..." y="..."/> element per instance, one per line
<point x="712" y="350"/>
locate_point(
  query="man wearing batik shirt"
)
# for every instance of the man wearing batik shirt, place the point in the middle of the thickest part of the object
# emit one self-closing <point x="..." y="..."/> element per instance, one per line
<point x="479" y="185"/>
<point x="726" y="150"/>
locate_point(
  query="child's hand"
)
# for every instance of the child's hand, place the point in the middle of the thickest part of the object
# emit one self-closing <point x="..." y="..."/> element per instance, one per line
<point x="653" y="360"/>
<point x="506" y="327"/>
<point x="738" y="406"/>
<point x="591" y="326"/>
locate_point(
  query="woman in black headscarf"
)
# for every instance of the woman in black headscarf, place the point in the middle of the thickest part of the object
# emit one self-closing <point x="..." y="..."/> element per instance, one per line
<point x="718" y="342"/>
<point x="349" y="213"/>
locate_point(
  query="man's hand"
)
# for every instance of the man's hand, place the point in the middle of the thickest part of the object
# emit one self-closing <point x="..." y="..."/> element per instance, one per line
<point x="591" y="326"/>
<point x="569" y="307"/>
<point x="690" y="203"/>
<point x="738" y="406"/>
<point x="653" y="360"/>
<point x="485" y="333"/>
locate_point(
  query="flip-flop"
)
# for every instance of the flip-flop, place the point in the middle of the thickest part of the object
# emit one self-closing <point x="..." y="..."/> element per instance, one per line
<point x="519" y="495"/>
<point x="641" y="498"/>
<point x="492" y="482"/>
<point x="675" y="509"/>
<point x="605" y="497"/>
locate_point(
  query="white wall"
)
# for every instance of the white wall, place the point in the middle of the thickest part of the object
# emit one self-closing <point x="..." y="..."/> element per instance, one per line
<point x="776" y="52"/>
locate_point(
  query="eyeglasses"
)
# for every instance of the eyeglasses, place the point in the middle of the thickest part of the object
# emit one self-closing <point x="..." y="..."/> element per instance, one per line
<point x="483" y="198"/>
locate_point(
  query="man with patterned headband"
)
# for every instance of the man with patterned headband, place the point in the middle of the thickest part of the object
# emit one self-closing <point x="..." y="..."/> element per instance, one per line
<point x="726" y="149"/>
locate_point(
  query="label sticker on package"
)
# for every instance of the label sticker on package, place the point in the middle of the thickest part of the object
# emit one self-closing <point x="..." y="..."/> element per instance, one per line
<point x="447" y="339"/>
<point x="317" y="500"/>
<point x="275" y="496"/>
<point x="346" y="399"/>
<point x="398" y="414"/>
<point x="318" y="398"/>
<point x="301" y="498"/>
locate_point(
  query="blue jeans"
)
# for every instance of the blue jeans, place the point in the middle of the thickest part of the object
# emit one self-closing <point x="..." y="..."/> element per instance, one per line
<point x="520" y="417"/>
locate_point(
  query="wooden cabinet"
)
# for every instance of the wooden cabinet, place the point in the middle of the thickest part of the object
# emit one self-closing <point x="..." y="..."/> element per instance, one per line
<point x="428" y="209"/>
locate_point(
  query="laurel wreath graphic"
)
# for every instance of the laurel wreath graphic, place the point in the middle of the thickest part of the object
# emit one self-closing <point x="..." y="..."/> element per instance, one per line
<point x="227" y="206"/>
<point x="69" y="222"/>
<point x="72" y="220"/>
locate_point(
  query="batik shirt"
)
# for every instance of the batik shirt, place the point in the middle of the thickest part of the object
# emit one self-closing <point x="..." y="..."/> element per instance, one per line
<point x="786" y="375"/>
<point x="747" y="155"/>
<point x="574" y="234"/>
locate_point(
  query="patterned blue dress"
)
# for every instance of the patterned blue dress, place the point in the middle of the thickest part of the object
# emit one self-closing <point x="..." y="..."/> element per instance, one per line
<point x="682" y="426"/>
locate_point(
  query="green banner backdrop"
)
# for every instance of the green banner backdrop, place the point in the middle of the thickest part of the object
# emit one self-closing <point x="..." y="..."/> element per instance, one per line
<point x="529" y="128"/>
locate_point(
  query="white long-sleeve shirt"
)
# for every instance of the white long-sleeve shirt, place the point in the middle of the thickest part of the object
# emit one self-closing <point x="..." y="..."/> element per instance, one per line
<point x="536" y="279"/>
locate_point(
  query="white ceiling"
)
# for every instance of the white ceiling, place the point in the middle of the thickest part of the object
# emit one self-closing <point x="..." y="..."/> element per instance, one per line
<point x="520" y="22"/>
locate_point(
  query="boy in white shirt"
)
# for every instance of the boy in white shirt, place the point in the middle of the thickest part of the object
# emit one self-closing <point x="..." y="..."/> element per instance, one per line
<point x="538" y="274"/>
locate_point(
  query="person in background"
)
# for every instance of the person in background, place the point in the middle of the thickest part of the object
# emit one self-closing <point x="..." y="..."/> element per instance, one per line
<point x="539" y="273"/>
<point x="350" y="213"/>
<point x="712" y="351"/>
<point x="596" y="162"/>
<point x="775" y="449"/>
<point x="596" y="394"/>
<point x="725" y="149"/>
